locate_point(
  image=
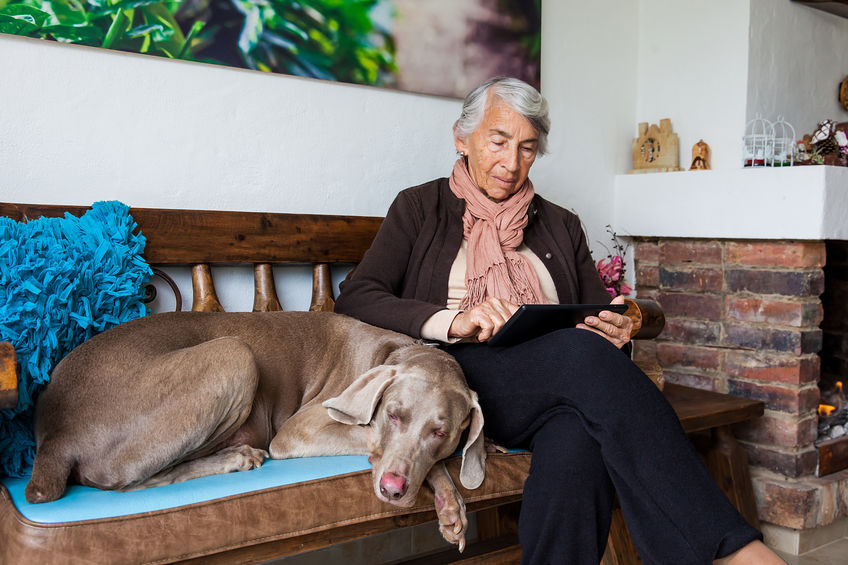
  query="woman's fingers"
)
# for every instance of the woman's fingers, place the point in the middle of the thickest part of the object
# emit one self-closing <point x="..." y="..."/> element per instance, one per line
<point x="503" y="310"/>
<point x="614" y="327"/>
<point x="484" y="320"/>
<point x="491" y="315"/>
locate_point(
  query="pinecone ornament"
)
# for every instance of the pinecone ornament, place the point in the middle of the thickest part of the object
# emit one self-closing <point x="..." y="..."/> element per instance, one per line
<point x="823" y="139"/>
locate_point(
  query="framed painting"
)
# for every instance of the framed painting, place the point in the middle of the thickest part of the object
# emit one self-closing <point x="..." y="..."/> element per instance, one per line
<point x="440" y="47"/>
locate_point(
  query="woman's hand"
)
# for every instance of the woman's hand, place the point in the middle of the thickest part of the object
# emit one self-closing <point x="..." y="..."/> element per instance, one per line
<point x="614" y="327"/>
<point x="483" y="321"/>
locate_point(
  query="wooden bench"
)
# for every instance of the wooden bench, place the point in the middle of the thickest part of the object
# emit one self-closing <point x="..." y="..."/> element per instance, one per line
<point x="250" y="532"/>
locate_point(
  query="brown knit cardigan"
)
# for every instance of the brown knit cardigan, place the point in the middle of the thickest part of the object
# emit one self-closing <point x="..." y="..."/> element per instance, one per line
<point x="403" y="278"/>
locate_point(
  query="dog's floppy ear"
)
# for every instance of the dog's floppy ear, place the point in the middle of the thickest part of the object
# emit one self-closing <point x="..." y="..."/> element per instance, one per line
<point x="473" y="469"/>
<point x="356" y="404"/>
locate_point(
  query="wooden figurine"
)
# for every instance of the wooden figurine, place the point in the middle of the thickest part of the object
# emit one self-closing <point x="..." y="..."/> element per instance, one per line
<point x="700" y="157"/>
<point x="656" y="149"/>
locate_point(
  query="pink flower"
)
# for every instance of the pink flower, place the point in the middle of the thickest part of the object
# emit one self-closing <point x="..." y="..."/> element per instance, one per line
<point x="610" y="271"/>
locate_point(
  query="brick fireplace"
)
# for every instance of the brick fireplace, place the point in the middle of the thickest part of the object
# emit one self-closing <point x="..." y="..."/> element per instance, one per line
<point x="754" y="313"/>
<point x="743" y="317"/>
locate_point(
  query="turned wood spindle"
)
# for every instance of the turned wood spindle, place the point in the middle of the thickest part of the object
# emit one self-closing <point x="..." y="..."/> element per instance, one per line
<point x="8" y="376"/>
<point x="205" y="299"/>
<point x="322" y="289"/>
<point x="264" y="290"/>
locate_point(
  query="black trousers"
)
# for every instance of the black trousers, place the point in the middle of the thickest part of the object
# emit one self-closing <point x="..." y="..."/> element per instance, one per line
<point x="598" y="426"/>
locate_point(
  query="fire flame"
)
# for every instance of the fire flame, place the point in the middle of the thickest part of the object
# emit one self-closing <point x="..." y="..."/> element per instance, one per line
<point x="826" y="410"/>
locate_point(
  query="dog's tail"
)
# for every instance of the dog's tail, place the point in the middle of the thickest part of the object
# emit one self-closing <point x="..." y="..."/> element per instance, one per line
<point x="50" y="473"/>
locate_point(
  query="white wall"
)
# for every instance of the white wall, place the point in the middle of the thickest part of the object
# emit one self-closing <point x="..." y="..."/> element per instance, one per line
<point x="692" y="69"/>
<point x="798" y="57"/>
<point x="589" y="74"/>
<point x="81" y="124"/>
<point x="713" y="65"/>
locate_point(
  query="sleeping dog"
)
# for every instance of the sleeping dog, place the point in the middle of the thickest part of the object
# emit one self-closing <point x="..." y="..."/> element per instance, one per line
<point x="171" y="397"/>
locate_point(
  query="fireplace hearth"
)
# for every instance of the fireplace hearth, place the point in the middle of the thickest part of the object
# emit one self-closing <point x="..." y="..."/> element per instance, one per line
<point x="749" y="266"/>
<point x="750" y="317"/>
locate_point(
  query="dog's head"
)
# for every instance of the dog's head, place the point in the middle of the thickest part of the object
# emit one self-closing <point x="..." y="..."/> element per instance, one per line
<point x="417" y="409"/>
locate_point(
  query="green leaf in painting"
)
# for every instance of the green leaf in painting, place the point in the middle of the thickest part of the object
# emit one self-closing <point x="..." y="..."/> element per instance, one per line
<point x="171" y="41"/>
<point x="195" y="29"/>
<point x="252" y="28"/>
<point x="290" y="27"/>
<point x="144" y="29"/>
<point x="116" y="30"/>
<point x="37" y="4"/>
<point x="16" y="25"/>
<point x="85" y="35"/>
<point x="302" y="66"/>
<point x="122" y="5"/>
<point x="68" y="12"/>
<point x="279" y="41"/>
<point x="26" y="13"/>
<point x="368" y="62"/>
<point x="328" y="39"/>
<point x="318" y="37"/>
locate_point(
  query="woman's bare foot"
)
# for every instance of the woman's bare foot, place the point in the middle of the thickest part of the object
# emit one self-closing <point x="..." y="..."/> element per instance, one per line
<point x="755" y="553"/>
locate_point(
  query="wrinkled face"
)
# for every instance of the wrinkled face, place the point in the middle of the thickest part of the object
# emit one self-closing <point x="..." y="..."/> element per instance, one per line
<point x="501" y="150"/>
<point x="415" y="425"/>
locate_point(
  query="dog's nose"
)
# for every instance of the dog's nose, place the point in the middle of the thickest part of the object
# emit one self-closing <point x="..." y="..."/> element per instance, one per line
<point x="392" y="486"/>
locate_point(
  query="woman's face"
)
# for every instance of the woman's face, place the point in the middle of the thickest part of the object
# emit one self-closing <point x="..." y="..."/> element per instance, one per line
<point x="500" y="151"/>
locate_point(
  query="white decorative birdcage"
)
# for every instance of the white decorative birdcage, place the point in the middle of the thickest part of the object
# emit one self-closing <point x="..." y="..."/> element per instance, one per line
<point x="783" y="154"/>
<point x="758" y="143"/>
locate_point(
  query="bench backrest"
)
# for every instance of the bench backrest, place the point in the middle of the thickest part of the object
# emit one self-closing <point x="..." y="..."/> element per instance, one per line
<point x="202" y="238"/>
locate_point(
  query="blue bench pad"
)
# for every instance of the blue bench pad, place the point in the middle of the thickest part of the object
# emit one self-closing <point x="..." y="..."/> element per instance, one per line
<point x="86" y="503"/>
<point x="282" y="508"/>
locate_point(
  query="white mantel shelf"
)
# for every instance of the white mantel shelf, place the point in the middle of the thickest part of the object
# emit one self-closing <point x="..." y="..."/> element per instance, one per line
<point x="806" y="203"/>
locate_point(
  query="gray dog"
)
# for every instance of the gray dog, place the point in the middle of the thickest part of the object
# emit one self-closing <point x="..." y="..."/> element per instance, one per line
<point x="170" y="397"/>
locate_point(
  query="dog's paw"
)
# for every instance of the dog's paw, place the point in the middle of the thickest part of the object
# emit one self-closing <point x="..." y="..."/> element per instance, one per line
<point x="453" y="523"/>
<point x="492" y="447"/>
<point x="243" y="458"/>
<point x="36" y="494"/>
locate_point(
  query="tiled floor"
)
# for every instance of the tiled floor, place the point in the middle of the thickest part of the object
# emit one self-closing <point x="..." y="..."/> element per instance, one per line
<point x="835" y="553"/>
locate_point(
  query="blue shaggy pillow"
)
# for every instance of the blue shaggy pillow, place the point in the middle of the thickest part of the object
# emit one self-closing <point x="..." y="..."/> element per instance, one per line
<point x="62" y="280"/>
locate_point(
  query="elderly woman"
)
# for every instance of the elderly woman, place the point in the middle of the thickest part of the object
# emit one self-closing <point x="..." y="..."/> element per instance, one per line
<point x="453" y="260"/>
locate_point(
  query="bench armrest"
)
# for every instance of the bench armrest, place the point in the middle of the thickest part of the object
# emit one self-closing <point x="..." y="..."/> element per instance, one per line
<point x="647" y="315"/>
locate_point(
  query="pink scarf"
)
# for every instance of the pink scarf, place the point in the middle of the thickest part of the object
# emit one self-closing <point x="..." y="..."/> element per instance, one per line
<point x="494" y="230"/>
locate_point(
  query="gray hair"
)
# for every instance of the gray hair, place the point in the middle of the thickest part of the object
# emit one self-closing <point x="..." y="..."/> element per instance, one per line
<point x="518" y="95"/>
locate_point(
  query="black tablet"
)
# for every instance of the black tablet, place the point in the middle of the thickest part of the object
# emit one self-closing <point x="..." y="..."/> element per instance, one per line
<point x="533" y="320"/>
